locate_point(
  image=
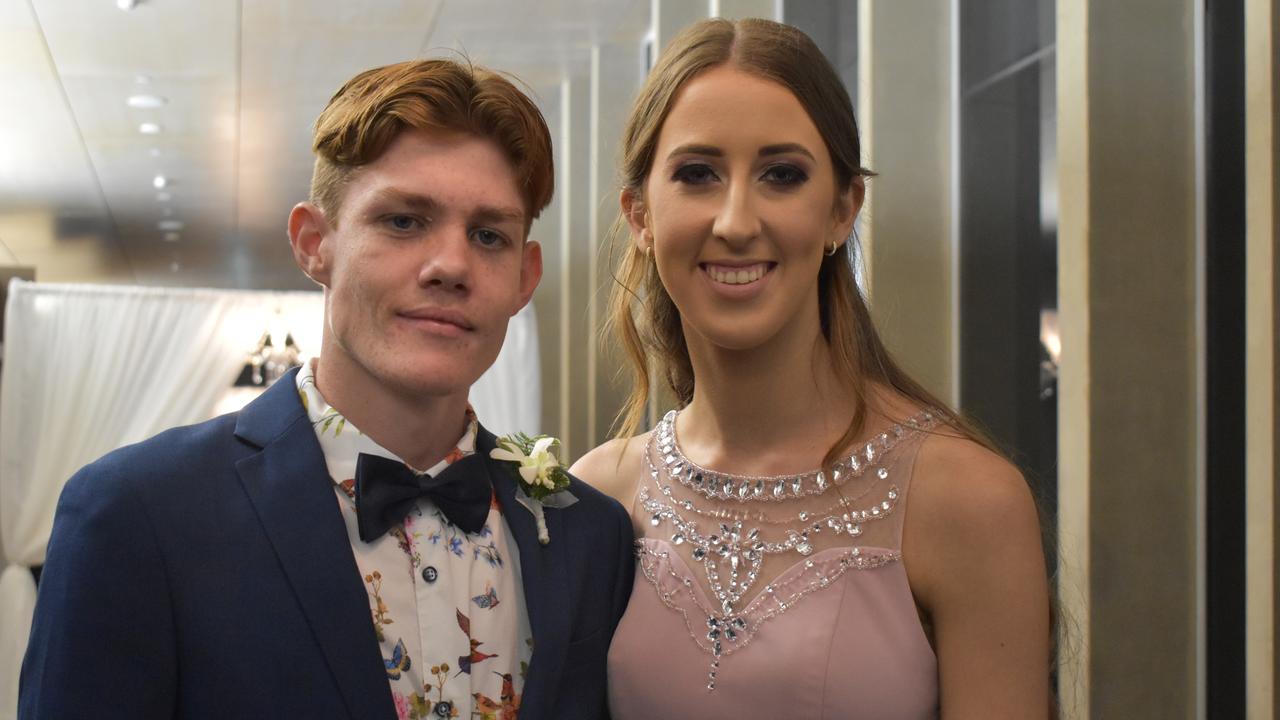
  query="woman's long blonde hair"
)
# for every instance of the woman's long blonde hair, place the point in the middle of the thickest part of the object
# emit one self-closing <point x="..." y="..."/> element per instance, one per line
<point x="641" y="313"/>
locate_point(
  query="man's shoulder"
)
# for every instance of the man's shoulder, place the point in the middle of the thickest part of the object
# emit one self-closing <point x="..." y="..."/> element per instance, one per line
<point x="596" y="515"/>
<point x="593" y="498"/>
<point x="211" y="445"/>
<point x="598" y="529"/>
<point x="165" y="458"/>
<point x="181" y="441"/>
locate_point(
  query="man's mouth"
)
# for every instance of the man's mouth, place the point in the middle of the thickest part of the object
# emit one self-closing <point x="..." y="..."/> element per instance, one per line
<point x="440" y="316"/>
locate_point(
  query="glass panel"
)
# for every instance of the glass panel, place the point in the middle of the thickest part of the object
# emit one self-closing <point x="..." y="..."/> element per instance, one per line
<point x="833" y="25"/>
<point x="1009" y="342"/>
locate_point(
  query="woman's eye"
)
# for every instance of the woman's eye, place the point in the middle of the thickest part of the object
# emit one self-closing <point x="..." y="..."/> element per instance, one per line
<point x="785" y="175"/>
<point x="489" y="238"/>
<point x="694" y="174"/>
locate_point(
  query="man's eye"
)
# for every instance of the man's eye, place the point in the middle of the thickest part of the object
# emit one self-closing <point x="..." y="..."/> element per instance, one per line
<point x="489" y="238"/>
<point x="696" y="174"/>
<point x="784" y="175"/>
<point x="403" y="223"/>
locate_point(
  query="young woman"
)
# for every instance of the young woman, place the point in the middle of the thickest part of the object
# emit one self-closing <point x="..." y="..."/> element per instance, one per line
<point x="819" y="536"/>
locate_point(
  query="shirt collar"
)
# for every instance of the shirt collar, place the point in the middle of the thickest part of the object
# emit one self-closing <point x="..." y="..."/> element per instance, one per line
<point x="342" y="442"/>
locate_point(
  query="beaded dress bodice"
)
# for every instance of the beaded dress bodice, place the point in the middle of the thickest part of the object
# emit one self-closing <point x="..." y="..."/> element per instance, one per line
<point x="773" y="596"/>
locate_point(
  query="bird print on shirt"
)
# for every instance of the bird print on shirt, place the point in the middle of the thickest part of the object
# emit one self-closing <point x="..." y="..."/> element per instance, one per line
<point x="465" y="662"/>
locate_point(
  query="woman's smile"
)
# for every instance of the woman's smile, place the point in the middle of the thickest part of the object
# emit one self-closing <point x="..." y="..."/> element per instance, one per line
<point x="737" y="281"/>
<point x="736" y="274"/>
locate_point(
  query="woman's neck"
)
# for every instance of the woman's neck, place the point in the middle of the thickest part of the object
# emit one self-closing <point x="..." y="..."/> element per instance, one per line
<point x="772" y="409"/>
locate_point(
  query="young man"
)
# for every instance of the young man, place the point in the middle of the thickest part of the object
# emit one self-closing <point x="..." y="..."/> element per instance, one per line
<point x="345" y="546"/>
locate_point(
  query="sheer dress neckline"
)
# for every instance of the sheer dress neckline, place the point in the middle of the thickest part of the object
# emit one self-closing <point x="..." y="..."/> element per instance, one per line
<point x="672" y="578"/>
<point x="730" y="552"/>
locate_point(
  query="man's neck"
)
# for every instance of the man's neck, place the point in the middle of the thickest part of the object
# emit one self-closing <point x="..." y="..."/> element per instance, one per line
<point x="420" y="429"/>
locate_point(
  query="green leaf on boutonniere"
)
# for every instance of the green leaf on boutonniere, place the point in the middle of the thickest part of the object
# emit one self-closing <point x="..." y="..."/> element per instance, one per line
<point x="537" y="468"/>
<point x="539" y="475"/>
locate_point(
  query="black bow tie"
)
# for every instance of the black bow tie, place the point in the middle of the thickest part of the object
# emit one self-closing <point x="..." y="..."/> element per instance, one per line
<point x="387" y="489"/>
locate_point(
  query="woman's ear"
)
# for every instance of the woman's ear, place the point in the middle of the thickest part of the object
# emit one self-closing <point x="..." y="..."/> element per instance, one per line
<point x="637" y="216"/>
<point x="848" y="205"/>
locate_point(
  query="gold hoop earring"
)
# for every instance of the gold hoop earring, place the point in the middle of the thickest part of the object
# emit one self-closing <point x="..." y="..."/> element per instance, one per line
<point x="834" y="245"/>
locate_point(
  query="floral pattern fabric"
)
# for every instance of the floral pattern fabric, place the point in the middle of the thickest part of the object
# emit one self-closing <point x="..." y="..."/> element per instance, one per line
<point x="447" y="606"/>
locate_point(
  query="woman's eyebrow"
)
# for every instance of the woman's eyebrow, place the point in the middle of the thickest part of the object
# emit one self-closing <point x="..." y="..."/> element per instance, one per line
<point x="696" y="149"/>
<point x="783" y="148"/>
<point x="713" y="151"/>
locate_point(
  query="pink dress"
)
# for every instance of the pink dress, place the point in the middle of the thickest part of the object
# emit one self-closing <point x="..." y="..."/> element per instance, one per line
<point x="811" y="612"/>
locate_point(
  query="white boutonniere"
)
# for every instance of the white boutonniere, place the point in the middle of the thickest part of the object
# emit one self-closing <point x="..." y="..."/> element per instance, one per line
<point x="540" y="478"/>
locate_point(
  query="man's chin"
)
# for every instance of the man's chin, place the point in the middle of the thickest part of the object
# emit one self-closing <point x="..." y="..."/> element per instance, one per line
<point x="435" y="379"/>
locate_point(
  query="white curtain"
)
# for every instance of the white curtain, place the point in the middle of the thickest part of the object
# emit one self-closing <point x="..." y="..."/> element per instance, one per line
<point x="90" y="368"/>
<point x="508" y="397"/>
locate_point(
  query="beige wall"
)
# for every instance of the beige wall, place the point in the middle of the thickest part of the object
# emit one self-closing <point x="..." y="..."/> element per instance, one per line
<point x="1074" y="408"/>
<point x="1128" y="297"/>
<point x="1262" y="157"/>
<point x="581" y="390"/>
<point x="577" y="338"/>
<point x="904" y="107"/>
<point x="615" y="78"/>
<point x="30" y="239"/>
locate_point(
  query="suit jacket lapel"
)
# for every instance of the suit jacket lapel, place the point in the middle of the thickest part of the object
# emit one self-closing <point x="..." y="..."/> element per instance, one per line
<point x="289" y="486"/>
<point x="544" y="576"/>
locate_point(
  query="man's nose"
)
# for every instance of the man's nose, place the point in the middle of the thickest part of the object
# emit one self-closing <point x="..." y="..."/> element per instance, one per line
<point x="447" y="261"/>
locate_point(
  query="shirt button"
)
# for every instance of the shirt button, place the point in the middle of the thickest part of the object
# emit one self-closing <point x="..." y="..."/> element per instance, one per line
<point x="429" y="574"/>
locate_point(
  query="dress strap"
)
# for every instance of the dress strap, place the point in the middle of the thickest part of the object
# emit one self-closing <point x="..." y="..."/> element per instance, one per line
<point x="899" y="467"/>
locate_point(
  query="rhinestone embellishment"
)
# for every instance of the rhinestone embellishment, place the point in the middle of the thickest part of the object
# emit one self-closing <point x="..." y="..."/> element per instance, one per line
<point x="724" y="633"/>
<point x="722" y="486"/>
<point x="732" y="554"/>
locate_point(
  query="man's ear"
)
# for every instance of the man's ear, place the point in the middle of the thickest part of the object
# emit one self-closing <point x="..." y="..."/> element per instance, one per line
<point x="530" y="271"/>
<point x="307" y="231"/>
<point x="637" y="215"/>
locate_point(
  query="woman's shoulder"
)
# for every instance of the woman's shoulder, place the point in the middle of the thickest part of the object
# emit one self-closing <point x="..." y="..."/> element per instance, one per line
<point x="951" y="468"/>
<point x="963" y="479"/>
<point x="614" y="467"/>
<point x="973" y="551"/>
<point x="972" y="520"/>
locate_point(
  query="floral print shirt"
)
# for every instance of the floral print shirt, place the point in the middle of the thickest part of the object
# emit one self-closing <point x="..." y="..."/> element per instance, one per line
<point x="447" y="607"/>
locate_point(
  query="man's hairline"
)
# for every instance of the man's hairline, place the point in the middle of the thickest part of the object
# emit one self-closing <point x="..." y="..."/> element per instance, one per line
<point x="349" y="172"/>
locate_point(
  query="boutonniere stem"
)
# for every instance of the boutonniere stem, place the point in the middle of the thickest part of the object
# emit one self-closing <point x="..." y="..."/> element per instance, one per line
<point x="539" y="474"/>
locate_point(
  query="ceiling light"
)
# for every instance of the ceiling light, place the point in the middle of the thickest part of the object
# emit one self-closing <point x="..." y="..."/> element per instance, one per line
<point x="170" y="225"/>
<point x="172" y="237"/>
<point x="126" y="4"/>
<point x="146" y="102"/>
<point x="149" y="128"/>
<point x="163" y="197"/>
<point x="159" y="181"/>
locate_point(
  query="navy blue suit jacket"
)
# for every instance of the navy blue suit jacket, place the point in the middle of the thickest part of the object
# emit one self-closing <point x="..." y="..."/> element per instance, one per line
<point x="207" y="573"/>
